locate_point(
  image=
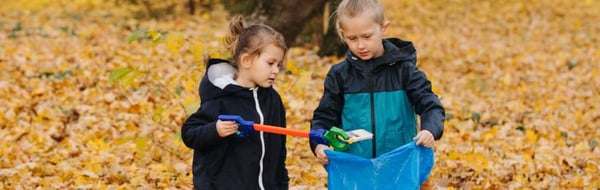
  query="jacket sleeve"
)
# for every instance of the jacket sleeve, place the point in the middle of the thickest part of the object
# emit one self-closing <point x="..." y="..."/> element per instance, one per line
<point x="329" y="111"/>
<point x="199" y="131"/>
<point x="426" y="103"/>
<point x="283" y="172"/>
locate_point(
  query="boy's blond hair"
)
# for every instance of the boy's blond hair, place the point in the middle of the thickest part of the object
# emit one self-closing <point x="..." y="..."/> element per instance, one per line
<point x="352" y="8"/>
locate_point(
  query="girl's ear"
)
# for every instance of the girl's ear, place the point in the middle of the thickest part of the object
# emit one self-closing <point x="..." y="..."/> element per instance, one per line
<point x="384" y="26"/>
<point x="245" y="61"/>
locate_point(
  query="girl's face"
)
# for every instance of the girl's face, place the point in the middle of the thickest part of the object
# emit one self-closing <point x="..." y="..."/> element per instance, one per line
<point x="263" y="70"/>
<point x="363" y="35"/>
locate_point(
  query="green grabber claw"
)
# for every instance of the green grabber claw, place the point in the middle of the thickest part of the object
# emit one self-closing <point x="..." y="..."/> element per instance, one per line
<point x="337" y="139"/>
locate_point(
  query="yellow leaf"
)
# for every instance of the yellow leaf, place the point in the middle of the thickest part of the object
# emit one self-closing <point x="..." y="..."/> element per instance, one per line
<point x="99" y="144"/>
<point x="477" y="161"/>
<point x="174" y="41"/>
<point x="531" y="136"/>
<point x="121" y="141"/>
<point x="89" y="174"/>
<point x="197" y="50"/>
<point x="305" y="77"/>
<point x="578" y="116"/>
<point x="520" y="179"/>
<point x="455" y="156"/>
<point x="160" y="167"/>
<point x="578" y="24"/>
<point x="129" y="78"/>
<point x="191" y="84"/>
<point x="290" y="65"/>
<point x="154" y="35"/>
<point x="44" y="114"/>
<point x="141" y="143"/>
<point x="157" y="115"/>
<point x="38" y="91"/>
<point x="489" y="135"/>
<point x="527" y="158"/>
<point x="591" y="168"/>
<point x="581" y="147"/>
<point x="191" y="104"/>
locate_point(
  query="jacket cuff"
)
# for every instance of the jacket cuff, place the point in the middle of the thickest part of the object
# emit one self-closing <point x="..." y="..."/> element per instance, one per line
<point x="433" y="123"/>
<point x="213" y="135"/>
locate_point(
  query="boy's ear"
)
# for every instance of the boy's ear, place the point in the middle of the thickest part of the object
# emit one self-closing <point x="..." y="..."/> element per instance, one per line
<point x="384" y="26"/>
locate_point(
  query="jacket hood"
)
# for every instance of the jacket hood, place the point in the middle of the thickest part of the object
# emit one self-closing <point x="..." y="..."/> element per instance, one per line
<point x="395" y="50"/>
<point x="218" y="80"/>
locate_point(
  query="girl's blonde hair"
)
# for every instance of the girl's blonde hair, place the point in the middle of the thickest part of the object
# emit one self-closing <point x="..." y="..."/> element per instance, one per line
<point x="352" y="8"/>
<point x="250" y="39"/>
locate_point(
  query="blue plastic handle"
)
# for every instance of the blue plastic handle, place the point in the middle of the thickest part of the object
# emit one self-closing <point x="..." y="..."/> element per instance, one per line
<point x="245" y="127"/>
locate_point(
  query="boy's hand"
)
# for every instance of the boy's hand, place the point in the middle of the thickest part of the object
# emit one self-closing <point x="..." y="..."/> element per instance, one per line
<point x="425" y="138"/>
<point x="320" y="152"/>
<point x="226" y="128"/>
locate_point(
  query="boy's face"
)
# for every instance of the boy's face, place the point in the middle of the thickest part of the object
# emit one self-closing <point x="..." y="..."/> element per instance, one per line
<point x="363" y="35"/>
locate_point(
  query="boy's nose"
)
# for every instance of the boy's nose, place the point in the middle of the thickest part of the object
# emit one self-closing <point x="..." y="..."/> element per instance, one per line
<point x="361" y="44"/>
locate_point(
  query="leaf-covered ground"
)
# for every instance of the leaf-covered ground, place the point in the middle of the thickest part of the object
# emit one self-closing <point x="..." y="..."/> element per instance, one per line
<point x="81" y="107"/>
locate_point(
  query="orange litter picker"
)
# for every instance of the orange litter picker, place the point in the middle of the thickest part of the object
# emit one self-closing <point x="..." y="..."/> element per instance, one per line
<point x="335" y="137"/>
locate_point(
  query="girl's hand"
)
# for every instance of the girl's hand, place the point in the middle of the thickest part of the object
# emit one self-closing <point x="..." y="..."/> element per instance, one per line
<point x="425" y="138"/>
<point x="226" y="128"/>
<point x="320" y="152"/>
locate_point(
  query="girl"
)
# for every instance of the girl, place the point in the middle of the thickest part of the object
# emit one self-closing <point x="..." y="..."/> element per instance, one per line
<point x="241" y="86"/>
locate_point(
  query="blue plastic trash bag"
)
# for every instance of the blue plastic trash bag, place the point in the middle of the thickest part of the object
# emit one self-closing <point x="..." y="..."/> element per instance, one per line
<point x="406" y="167"/>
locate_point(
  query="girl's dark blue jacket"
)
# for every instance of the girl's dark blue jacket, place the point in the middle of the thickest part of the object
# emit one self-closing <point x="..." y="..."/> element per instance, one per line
<point x="381" y="95"/>
<point x="231" y="162"/>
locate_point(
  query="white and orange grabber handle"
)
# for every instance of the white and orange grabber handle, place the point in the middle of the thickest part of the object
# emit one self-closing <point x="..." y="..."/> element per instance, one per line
<point x="339" y="139"/>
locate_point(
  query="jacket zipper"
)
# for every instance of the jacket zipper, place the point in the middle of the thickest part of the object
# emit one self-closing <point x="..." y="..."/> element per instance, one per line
<point x="262" y="140"/>
<point x="372" y="90"/>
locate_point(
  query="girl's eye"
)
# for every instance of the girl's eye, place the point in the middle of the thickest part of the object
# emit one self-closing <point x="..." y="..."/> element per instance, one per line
<point x="278" y="65"/>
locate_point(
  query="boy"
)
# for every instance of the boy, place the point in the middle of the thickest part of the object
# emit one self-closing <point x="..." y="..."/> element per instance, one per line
<point x="377" y="87"/>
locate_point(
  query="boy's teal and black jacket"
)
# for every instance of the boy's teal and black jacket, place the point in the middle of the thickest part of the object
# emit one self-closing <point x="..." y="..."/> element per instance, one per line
<point x="230" y="162"/>
<point x="381" y="95"/>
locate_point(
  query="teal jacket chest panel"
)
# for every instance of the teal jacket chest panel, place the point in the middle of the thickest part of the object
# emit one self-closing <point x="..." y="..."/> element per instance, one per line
<point x="395" y="120"/>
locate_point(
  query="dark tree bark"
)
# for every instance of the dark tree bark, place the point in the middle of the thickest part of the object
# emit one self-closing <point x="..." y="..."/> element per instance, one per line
<point x="285" y="16"/>
<point x="330" y="42"/>
<point x="192" y="6"/>
<point x="290" y="17"/>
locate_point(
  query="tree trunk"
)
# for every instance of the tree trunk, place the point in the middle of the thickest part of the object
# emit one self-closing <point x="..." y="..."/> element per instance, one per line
<point x="330" y="42"/>
<point x="192" y="7"/>
<point x="290" y="17"/>
<point x="287" y="16"/>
